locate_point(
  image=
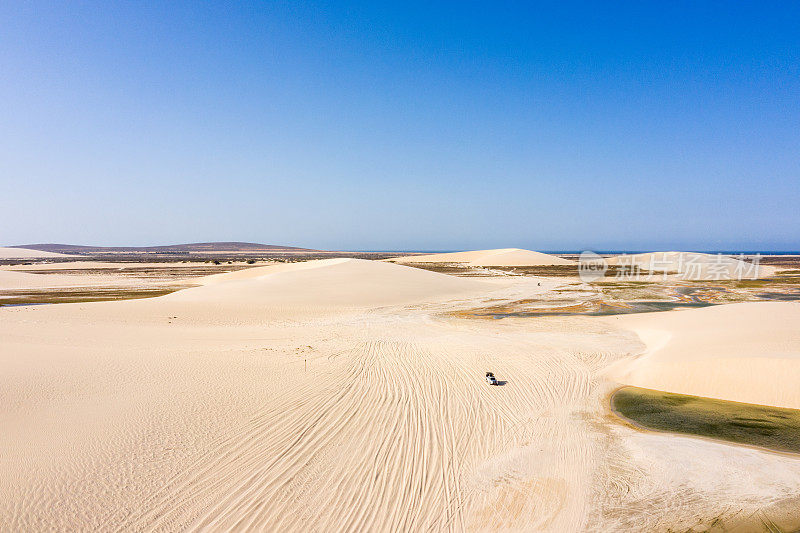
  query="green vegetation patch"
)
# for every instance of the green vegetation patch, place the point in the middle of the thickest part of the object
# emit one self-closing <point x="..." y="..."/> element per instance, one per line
<point x="773" y="428"/>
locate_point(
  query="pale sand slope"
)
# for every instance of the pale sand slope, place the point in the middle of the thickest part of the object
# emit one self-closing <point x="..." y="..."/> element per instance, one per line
<point x="747" y="352"/>
<point x="694" y="265"/>
<point x="24" y="253"/>
<point x="332" y="282"/>
<point x="216" y="409"/>
<point x="499" y="257"/>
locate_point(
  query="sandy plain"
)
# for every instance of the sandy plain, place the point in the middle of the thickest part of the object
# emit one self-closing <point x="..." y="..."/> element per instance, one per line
<point x="346" y="394"/>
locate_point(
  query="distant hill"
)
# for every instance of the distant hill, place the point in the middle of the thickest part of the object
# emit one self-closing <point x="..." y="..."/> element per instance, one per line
<point x="197" y="247"/>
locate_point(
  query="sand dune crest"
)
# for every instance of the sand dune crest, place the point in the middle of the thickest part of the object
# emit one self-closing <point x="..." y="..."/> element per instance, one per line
<point x="693" y="265"/>
<point x="331" y="282"/>
<point x="497" y="257"/>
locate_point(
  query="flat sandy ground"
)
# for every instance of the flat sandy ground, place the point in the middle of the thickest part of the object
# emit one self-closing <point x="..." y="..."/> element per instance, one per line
<point x="348" y="395"/>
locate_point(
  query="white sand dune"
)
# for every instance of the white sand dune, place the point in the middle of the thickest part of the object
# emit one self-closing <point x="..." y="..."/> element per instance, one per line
<point x="694" y="265"/>
<point x="748" y="352"/>
<point x="25" y="253"/>
<point x="332" y="282"/>
<point x="498" y="257"/>
<point x="216" y="409"/>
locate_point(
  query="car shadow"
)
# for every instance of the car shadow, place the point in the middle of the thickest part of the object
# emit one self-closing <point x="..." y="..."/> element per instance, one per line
<point x="501" y="383"/>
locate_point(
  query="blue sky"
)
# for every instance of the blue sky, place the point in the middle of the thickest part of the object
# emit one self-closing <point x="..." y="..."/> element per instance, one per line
<point x="552" y="126"/>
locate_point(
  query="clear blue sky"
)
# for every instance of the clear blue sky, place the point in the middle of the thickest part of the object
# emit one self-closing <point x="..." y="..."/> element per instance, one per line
<point x="407" y="125"/>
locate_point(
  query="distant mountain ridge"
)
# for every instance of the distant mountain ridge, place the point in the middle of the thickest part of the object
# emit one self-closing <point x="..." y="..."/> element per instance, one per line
<point x="249" y="247"/>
